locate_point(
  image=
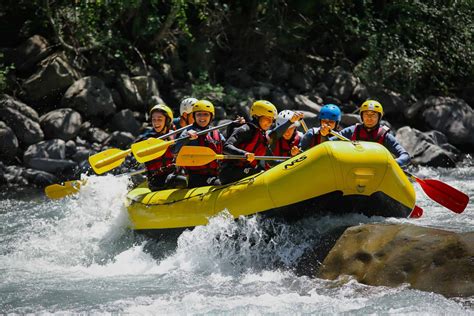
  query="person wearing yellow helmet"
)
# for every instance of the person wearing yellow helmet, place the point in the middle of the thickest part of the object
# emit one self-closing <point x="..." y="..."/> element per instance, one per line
<point x="371" y="113"/>
<point x="251" y="139"/>
<point x="159" y="171"/>
<point x="203" y="112"/>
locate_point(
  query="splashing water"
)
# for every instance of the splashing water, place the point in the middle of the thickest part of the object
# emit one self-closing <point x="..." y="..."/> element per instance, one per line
<point x="78" y="255"/>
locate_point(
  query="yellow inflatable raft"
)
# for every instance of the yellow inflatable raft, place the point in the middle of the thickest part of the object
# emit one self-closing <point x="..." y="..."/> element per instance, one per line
<point x="337" y="177"/>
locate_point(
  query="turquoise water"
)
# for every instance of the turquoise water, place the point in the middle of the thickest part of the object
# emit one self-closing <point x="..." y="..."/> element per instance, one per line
<point x="77" y="255"/>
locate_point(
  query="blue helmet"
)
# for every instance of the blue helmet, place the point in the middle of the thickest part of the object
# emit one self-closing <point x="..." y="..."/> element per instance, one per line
<point x="330" y="112"/>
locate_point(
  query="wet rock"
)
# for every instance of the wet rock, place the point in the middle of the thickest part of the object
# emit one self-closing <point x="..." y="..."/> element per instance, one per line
<point x="40" y="178"/>
<point x="70" y="148"/>
<point x="30" y="52"/>
<point x="81" y="154"/>
<point x="8" y="143"/>
<point x="54" y="76"/>
<point x="350" y="119"/>
<point x="54" y="148"/>
<point x="430" y="149"/>
<point x="125" y="121"/>
<point x="18" y="117"/>
<point x="90" y="97"/>
<point x="391" y="255"/>
<point x="62" y="123"/>
<point x="13" y="176"/>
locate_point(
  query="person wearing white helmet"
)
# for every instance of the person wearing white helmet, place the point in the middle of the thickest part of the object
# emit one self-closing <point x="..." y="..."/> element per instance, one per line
<point x="287" y="144"/>
<point x="185" y="113"/>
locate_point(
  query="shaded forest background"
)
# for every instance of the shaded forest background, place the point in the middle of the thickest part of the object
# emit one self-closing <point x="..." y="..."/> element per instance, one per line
<point x="414" y="48"/>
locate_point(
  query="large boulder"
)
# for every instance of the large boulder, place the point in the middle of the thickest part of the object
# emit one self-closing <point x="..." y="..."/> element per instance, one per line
<point x="342" y="83"/>
<point x="392" y="102"/>
<point x="48" y="156"/>
<point x="30" y="52"/>
<point x="130" y="93"/>
<point x="125" y="121"/>
<point x="451" y="116"/>
<point x="147" y="88"/>
<point x="62" y="123"/>
<point x="427" y="259"/>
<point x="8" y="143"/>
<point x="430" y="149"/>
<point x="54" y="76"/>
<point x="22" y="119"/>
<point x="90" y="97"/>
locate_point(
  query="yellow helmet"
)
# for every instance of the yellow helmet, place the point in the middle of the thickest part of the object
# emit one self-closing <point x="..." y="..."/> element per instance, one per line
<point x="372" y="105"/>
<point x="263" y="108"/>
<point x="164" y="109"/>
<point x="203" y="106"/>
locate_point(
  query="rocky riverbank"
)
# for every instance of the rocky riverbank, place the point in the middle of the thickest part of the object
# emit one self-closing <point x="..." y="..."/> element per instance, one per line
<point x="61" y="115"/>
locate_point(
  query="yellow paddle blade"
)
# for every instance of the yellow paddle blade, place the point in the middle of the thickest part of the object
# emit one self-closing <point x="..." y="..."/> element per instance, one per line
<point x="108" y="159"/>
<point x="195" y="156"/>
<point x="150" y="149"/>
<point x="58" y="191"/>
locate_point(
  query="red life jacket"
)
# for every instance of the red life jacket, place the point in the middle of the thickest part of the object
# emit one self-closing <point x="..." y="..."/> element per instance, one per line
<point x="375" y="135"/>
<point x="164" y="164"/>
<point x="283" y="146"/>
<point x="257" y="145"/>
<point x="213" y="141"/>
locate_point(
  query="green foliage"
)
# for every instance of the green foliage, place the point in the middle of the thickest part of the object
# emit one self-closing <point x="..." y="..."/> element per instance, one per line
<point x="4" y="71"/>
<point x="203" y="89"/>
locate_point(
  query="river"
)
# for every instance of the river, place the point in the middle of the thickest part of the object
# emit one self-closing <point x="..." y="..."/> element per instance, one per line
<point x="76" y="255"/>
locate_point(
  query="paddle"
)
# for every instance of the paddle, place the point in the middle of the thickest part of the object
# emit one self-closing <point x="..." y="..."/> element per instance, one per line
<point x="199" y="156"/>
<point x="114" y="157"/>
<point x="153" y="148"/>
<point x="438" y="191"/>
<point x="59" y="191"/>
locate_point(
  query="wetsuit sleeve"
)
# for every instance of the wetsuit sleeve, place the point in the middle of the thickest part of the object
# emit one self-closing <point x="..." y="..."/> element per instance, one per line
<point x="239" y="135"/>
<point x="346" y="132"/>
<point x="307" y="139"/>
<point x="402" y="157"/>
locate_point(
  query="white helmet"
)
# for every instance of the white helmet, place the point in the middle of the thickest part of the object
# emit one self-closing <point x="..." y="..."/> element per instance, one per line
<point x="284" y="116"/>
<point x="186" y="105"/>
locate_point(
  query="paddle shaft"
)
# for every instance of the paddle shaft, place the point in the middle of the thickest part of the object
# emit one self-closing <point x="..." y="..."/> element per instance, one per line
<point x="220" y="157"/>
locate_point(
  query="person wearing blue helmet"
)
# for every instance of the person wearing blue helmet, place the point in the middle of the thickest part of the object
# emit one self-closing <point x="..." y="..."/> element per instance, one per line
<point x="329" y="117"/>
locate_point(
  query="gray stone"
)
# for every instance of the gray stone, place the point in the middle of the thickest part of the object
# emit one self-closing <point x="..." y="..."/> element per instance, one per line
<point x="71" y="148"/>
<point x="304" y="103"/>
<point x="27" y="130"/>
<point x="54" y="149"/>
<point x="282" y="101"/>
<point x="30" y="52"/>
<point x="427" y="259"/>
<point x="54" y="76"/>
<point x="7" y="101"/>
<point x="82" y="154"/>
<point x="120" y="139"/>
<point x="90" y="97"/>
<point x="148" y="89"/>
<point x="343" y="84"/>
<point x="125" y="121"/>
<point x="50" y="165"/>
<point x="62" y="123"/>
<point x="8" y="143"/>
<point x="425" y="149"/>
<point x="40" y="178"/>
<point x="129" y="93"/>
